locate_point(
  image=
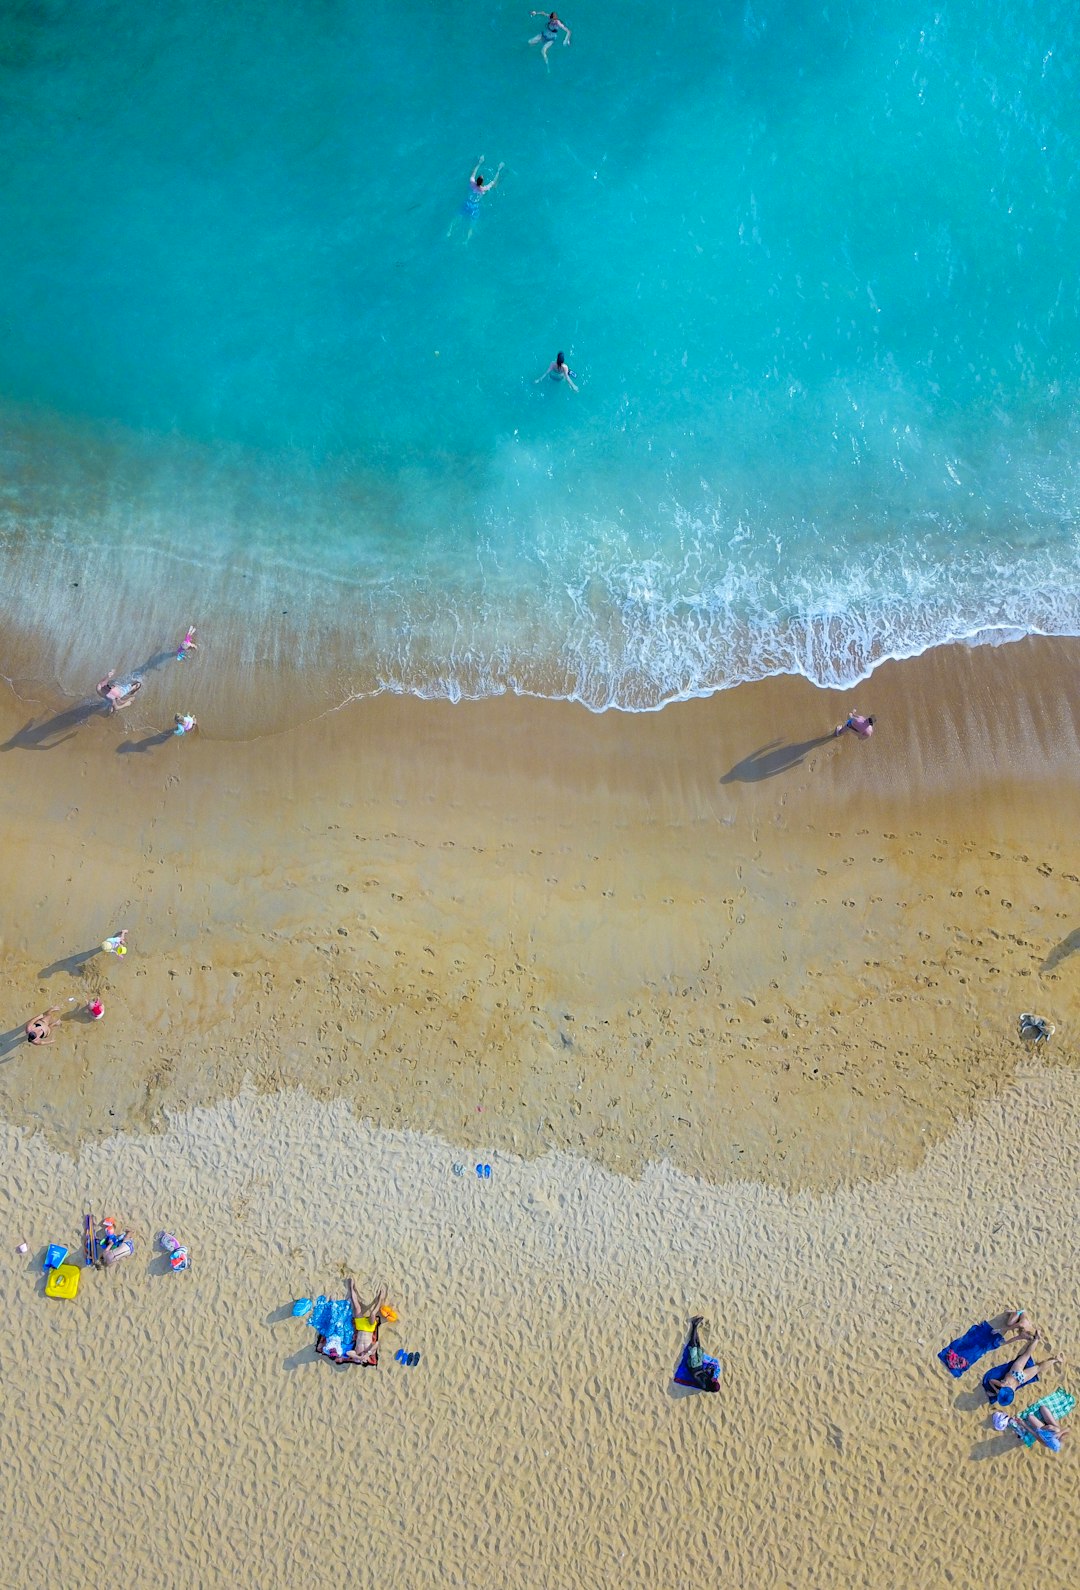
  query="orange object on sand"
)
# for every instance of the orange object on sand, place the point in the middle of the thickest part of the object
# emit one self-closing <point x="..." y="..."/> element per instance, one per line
<point x="388" y="1314"/>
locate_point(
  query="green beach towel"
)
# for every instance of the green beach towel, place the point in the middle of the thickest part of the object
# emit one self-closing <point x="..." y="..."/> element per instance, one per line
<point x="1058" y="1403"/>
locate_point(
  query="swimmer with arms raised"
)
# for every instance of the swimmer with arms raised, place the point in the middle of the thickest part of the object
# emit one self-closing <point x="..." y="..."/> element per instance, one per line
<point x="551" y="29"/>
<point x="477" y="188"/>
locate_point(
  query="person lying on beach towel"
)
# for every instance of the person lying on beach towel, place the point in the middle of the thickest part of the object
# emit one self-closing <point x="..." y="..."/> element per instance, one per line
<point x="1038" y="1422"/>
<point x="1003" y="1382"/>
<point x="365" y="1349"/>
<point x="982" y="1338"/>
<point x="1046" y="1429"/>
<point x="695" y="1369"/>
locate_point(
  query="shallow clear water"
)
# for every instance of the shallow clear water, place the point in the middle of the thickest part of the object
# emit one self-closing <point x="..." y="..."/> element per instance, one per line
<point x="815" y="272"/>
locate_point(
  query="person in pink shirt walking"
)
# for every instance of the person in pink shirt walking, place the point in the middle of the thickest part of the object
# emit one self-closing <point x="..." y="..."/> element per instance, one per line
<point x="863" y="727"/>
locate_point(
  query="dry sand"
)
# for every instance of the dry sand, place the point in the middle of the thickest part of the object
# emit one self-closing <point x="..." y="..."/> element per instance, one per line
<point x="729" y="1005"/>
<point x="176" y="1430"/>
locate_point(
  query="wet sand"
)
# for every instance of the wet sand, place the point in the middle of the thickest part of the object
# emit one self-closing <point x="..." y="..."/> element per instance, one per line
<point x="730" y="1005"/>
<point x="714" y="935"/>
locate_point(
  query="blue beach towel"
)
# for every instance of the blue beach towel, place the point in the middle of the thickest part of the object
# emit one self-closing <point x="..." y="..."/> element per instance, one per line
<point x="969" y="1348"/>
<point x="333" y="1317"/>
<point x="682" y="1375"/>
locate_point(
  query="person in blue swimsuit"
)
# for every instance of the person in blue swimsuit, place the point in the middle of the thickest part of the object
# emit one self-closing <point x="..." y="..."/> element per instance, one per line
<point x="553" y="26"/>
<point x="477" y="188"/>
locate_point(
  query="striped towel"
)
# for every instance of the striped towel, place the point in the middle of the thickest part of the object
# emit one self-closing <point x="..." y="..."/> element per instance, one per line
<point x="1058" y="1403"/>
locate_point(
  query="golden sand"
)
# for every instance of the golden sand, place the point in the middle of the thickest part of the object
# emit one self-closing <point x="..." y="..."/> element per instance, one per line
<point x="730" y="1006"/>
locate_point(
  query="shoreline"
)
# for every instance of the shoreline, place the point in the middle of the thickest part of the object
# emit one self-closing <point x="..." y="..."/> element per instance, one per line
<point x="681" y="935"/>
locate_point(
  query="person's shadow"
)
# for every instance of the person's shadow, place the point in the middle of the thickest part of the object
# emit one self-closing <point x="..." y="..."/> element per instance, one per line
<point x="50" y="732"/>
<point x="146" y="744"/>
<point x="158" y="660"/>
<point x="11" y="1040"/>
<point x="776" y="757"/>
<point x="70" y="963"/>
<point x="1062" y="951"/>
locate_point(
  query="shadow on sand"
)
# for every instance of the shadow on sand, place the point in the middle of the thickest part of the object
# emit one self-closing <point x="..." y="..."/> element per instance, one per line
<point x="1062" y="951"/>
<point x="50" y="732"/>
<point x="70" y="963"/>
<point x="11" y="1040"/>
<point x="776" y="757"/>
<point x="147" y="744"/>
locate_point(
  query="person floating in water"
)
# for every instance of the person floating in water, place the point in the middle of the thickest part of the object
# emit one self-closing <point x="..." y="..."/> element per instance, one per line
<point x="477" y="188"/>
<point x="549" y="33"/>
<point x="863" y="727"/>
<point x="558" y="370"/>
<point x="119" y="693"/>
<point x="188" y="644"/>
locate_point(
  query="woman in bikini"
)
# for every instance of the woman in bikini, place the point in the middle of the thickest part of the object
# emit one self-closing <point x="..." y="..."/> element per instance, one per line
<point x="365" y="1350"/>
<point x="39" y="1028"/>
<point x="1003" y="1382"/>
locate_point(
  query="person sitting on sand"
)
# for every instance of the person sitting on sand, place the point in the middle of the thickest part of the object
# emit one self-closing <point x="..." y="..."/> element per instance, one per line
<point x="693" y="1368"/>
<point x="1003" y="1382"/>
<point x="119" y="693"/>
<point x="39" y="1028"/>
<point x="863" y="727"/>
<point x="1021" y="1324"/>
<point x="365" y="1350"/>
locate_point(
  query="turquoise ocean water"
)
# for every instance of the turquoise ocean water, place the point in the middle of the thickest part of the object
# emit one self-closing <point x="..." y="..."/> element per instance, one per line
<point x="815" y="269"/>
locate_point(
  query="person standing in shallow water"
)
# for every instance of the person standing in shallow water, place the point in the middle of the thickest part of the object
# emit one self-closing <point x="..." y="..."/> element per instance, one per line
<point x="863" y="727"/>
<point x="477" y="188"/>
<point x="549" y="33"/>
<point x="558" y="370"/>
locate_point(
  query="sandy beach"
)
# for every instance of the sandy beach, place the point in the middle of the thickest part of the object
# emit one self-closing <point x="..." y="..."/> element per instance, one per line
<point x="729" y="1005"/>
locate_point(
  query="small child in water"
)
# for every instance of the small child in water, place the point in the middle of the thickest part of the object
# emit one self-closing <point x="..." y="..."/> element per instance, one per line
<point x="187" y="644"/>
<point x="185" y="723"/>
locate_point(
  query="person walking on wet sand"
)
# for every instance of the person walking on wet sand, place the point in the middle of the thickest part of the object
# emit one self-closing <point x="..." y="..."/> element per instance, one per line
<point x="39" y="1028"/>
<point x="119" y="693"/>
<point x="863" y="727"/>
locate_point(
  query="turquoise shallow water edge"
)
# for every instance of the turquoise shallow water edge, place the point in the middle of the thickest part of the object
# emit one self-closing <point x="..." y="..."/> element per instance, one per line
<point x="814" y="271"/>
